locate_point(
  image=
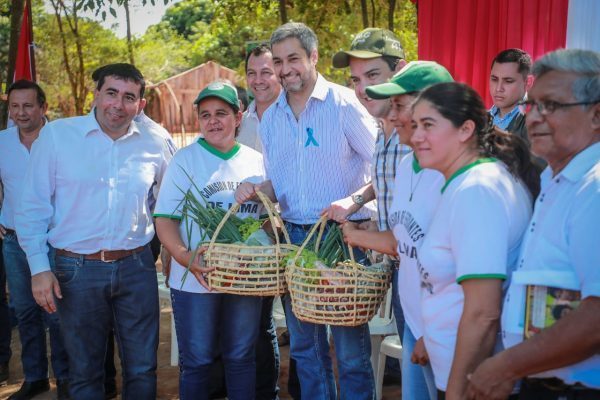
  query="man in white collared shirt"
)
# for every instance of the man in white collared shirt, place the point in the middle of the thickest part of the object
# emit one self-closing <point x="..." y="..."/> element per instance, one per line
<point x="27" y="107"/>
<point x="318" y="141"/>
<point x="85" y="194"/>
<point x="560" y="252"/>
<point x="265" y="86"/>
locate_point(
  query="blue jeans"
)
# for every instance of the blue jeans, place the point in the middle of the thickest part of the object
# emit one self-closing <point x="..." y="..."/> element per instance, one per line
<point x="5" y="325"/>
<point x="97" y="296"/>
<point x="396" y="305"/>
<point x="32" y="319"/>
<point x="202" y="322"/>
<point x="267" y="354"/>
<point x="309" y="346"/>
<point x="417" y="381"/>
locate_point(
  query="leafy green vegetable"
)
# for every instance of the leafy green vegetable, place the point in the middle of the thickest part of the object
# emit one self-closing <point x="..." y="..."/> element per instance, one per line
<point x="248" y="227"/>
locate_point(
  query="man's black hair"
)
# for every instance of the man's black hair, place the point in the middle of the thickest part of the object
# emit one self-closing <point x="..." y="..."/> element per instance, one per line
<point x="518" y="56"/>
<point x="26" y="84"/>
<point x="261" y="49"/>
<point x="122" y="71"/>
<point x="243" y="96"/>
<point x="391" y="61"/>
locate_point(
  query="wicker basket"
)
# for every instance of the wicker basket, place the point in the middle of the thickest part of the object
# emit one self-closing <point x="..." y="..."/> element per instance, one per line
<point x="347" y="295"/>
<point x="249" y="270"/>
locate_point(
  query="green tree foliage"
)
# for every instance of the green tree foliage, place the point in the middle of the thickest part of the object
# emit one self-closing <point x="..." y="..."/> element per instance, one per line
<point x="187" y="17"/>
<point x="161" y="52"/>
<point x="194" y="31"/>
<point x="4" y="39"/>
<point x="219" y="29"/>
<point x="99" y="46"/>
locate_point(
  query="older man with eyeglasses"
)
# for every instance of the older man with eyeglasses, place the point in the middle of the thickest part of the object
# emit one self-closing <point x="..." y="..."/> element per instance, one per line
<point x="551" y="315"/>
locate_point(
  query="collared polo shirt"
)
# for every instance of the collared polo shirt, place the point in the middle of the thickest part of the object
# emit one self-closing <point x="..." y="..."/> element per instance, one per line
<point x="560" y="249"/>
<point x="85" y="192"/>
<point x="503" y="122"/>
<point x="14" y="157"/>
<point x="322" y="156"/>
<point x="386" y="160"/>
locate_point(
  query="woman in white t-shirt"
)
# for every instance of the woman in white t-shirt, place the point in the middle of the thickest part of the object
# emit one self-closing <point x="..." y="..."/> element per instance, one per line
<point x="207" y="323"/>
<point x="473" y="241"/>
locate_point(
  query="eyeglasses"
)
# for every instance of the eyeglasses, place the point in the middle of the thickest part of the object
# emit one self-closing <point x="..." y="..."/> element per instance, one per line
<point x="549" y="106"/>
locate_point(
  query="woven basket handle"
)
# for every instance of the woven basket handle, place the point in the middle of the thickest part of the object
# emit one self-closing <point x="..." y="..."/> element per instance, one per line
<point x="320" y="224"/>
<point x="273" y="217"/>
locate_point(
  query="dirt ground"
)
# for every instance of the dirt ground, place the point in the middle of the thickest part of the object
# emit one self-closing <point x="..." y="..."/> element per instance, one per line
<point x="167" y="375"/>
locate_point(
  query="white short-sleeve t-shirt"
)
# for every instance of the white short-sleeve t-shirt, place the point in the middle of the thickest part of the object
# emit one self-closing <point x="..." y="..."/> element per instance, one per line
<point x="475" y="234"/>
<point x="215" y="176"/>
<point x="417" y="192"/>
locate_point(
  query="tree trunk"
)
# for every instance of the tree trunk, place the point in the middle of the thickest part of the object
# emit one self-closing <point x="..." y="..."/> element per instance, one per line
<point x="16" y="17"/>
<point x="283" y="11"/>
<point x="76" y="74"/>
<point x="365" y="13"/>
<point x="129" y="43"/>
<point x="391" y="9"/>
<point x="373" y="23"/>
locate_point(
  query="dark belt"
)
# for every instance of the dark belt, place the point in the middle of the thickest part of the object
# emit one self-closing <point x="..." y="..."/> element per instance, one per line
<point x="103" y="255"/>
<point x="557" y="385"/>
<point x="307" y="227"/>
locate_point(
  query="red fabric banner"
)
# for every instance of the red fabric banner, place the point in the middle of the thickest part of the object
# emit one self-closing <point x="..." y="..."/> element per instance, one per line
<point x="24" y="65"/>
<point x="465" y="35"/>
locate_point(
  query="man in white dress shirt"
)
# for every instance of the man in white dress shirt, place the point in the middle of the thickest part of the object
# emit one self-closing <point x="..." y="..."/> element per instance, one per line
<point x="27" y="106"/>
<point x="85" y="194"/>
<point x="559" y="265"/>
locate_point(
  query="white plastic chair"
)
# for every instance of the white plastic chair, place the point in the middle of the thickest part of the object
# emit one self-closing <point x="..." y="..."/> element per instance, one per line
<point x="278" y="313"/>
<point x="383" y="324"/>
<point x="390" y="347"/>
<point x="164" y="294"/>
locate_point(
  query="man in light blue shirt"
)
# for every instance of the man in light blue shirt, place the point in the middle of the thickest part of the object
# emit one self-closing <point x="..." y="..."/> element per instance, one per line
<point x="509" y="80"/>
<point x="318" y="141"/>
<point x="85" y="194"/>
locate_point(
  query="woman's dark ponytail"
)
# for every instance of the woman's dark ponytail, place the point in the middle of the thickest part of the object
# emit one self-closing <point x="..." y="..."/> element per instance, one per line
<point x="512" y="151"/>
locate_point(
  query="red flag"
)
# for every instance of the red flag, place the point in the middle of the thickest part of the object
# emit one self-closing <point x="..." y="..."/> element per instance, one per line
<point x="25" y="63"/>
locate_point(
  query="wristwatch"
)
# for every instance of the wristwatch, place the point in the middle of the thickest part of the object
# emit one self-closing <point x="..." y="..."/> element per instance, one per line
<point x="358" y="199"/>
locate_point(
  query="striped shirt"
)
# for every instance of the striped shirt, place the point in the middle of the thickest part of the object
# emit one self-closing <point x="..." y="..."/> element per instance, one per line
<point x="321" y="157"/>
<point x="383" y="173"/>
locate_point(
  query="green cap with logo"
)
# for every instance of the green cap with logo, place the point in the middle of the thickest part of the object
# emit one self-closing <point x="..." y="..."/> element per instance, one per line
<point x="414" y="77"/>
<point x="220" y="90"/>
<point x="370" y="43"/>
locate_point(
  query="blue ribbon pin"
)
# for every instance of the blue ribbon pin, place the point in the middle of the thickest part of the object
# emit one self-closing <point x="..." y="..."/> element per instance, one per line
<point x="310" y="139"/>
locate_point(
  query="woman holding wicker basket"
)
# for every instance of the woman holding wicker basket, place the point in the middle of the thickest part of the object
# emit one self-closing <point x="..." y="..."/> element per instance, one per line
<point x="209" y="170"/>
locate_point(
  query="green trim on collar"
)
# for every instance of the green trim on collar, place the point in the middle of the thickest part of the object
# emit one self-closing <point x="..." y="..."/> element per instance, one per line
<point x="176" y="217"/>
<point x="415" y="165"/>
<point x="225" y="156"/>
<point x="463" y="278"/>
<point x="466" y="168"/>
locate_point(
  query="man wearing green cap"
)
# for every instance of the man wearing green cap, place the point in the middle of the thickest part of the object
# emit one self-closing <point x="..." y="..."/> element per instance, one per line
<point x="424" y="186"/>
<point x="374" y="56"/>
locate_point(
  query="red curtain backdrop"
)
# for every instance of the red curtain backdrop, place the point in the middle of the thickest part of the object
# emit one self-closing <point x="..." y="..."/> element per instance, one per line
<point x="24" y="65"/>
<point x="465" y="35"/>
